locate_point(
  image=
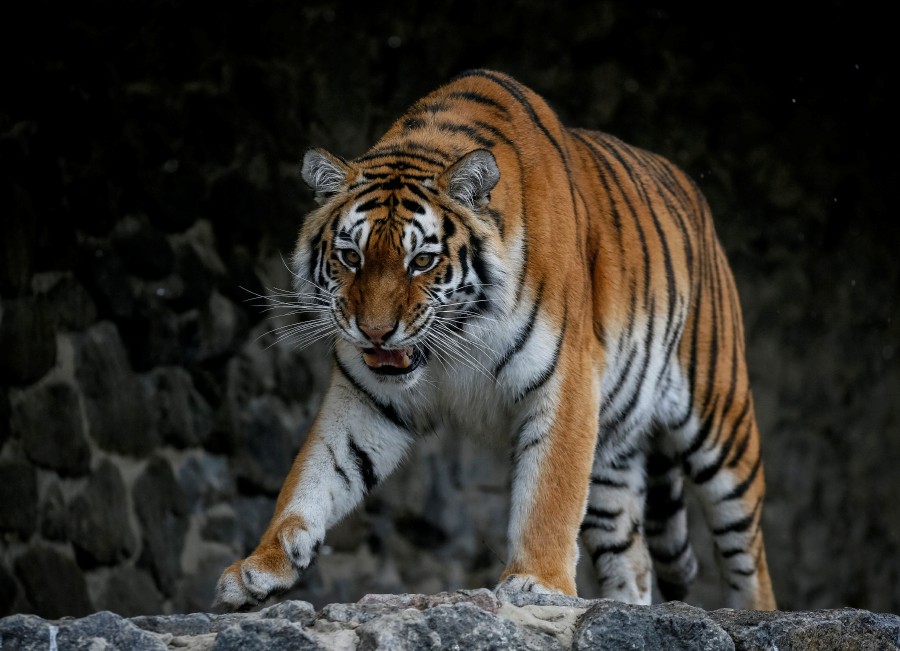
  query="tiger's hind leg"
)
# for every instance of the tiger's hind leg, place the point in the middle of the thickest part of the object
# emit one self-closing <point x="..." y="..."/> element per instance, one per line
<point x="666" y="526"/>
<point x="613" y="527"/>
<point x="721" y="456"/>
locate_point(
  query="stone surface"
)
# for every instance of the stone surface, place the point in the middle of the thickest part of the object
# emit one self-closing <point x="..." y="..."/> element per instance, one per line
<point x="18" y="498"/>
<point x="69" y="302"/>
<point x="129" y="591"/>
<point x="107" y="279"/>
<point x="673" y="626"/>
<point x="222" y="328"/>
<point x="5" y="408"/>
<point x="106" y="629"/>
<point x="97" y="521"/>
<point x="267" y="452"/>
<point x="114" y="399"/>
<point x="266" y="635"/>
<point x="162" y="509"/>
<point x="470" y="620"/>
<point x="844" y="628"/>
<point x="8" y="590"/>
<point x="180" y="415"/>
<point x="145" y="251"/>
<point x="53" y="513"/>
<point x="27" y="341"/>
<point x="47" y="417"/>
<point x="53" y="583"/>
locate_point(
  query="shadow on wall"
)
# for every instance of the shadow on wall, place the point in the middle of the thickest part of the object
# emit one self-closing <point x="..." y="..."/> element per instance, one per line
<point x="150" y="188"/>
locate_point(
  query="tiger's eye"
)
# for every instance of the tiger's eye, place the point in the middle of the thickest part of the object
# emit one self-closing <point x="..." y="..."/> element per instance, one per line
<point x="350" y="257"/>
<point x="422" y="261"/>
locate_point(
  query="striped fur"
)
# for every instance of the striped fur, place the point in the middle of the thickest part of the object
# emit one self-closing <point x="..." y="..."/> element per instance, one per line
<point x="487" y="270"/>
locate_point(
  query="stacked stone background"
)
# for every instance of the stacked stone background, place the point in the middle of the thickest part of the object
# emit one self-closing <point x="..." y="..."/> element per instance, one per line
<point x="150" y="191"/>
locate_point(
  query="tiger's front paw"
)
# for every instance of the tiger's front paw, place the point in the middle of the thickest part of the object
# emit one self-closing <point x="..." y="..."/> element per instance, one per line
<point x="273" y="568"/>
<point x="524" y="583"/>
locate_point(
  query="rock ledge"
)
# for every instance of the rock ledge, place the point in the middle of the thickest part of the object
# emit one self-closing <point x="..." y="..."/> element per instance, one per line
<point x="468" y="620"/>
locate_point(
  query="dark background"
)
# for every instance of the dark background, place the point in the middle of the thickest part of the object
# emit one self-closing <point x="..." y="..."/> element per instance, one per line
<point x="149" y="180"/>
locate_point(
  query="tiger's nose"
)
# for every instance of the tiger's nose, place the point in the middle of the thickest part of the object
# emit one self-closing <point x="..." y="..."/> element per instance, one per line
<point x="377" y="333"/>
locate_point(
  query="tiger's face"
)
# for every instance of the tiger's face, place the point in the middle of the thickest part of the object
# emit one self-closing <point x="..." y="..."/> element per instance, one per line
<point x="400" y="260"/>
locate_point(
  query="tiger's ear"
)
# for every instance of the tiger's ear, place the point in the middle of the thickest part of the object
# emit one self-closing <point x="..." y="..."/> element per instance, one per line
<point x="471" y="179"/>
<point x="326" y="174"/>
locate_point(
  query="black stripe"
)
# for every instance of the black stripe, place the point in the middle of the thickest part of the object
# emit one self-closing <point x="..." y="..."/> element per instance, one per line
<point x="523" y="335"/>
<point x="586" y="525"/>
<point x="616" y="548"/>
<point x="661" y="505"/>
<point x="413" y="207"/>
<point x="699" y="438"/>
<point x="522" y="447"/>
<point x="664" y="243"/>
<point x="386" y="410"/>
<point x="603" y="514"/>
<point x="515" y="90"/>
<point x="548" y="373"/>
<point x="607" y="482"/>
<point x="337" y="466"/>
<point x="478" y="98"/>
<point x="605" y="146"/>
<point x="630" y="406"/>
<point x="659" y="465"/>
<point x="583" y="136"/>
<point x="371" y="204"/>
<point x="741" y="572"/>
<point x="612" y="394"/>
<point x="363" y="464"/>
<point x="478" y="265"/>
<point x="740" y="525"/>
<point x="742" y="446"/>
<point x="713" y="353"/>
<point x="741" y="488"/>
<point x="705" y="474"/>
<point x="467" y="130"/>
<point x="397" y="152"/>
<point x="669" y="557"/>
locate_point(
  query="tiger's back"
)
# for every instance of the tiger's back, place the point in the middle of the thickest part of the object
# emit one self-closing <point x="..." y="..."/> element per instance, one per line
<point x="489" y="269"/>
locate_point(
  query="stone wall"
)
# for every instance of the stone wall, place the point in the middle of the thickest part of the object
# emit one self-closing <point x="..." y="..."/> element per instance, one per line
<point x="150" y="192"/>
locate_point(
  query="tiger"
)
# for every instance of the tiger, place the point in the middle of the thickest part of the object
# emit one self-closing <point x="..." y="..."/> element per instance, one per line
<point x="484" y="269"/>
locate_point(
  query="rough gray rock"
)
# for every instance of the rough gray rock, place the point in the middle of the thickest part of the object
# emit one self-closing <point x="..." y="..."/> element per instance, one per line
<point x="97" y="522"/>
<point x="162" y="509"/>
<point x="102" y="368"/>
<point x="48" y="418"/>
<point x="844" y="628"/>
<point x="52" y="583"/>
<point x="671" y="626"/>
<point x="18" y="498"/>
<point x="470" y="620"/>
<point x="181" y="415"/>
<point x="129" y="591"/>
<point x="27" y="341"/>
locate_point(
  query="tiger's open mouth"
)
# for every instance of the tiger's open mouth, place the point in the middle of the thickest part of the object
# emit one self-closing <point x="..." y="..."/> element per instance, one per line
<point x="392" y="362"/>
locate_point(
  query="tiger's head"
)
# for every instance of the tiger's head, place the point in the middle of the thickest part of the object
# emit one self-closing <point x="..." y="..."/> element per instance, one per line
<point x="400" y="256"/>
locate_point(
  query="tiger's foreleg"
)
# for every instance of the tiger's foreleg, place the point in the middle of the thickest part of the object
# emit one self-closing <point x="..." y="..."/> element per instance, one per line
<point x="350" y="447"/>
<point x="552" y="463"/>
